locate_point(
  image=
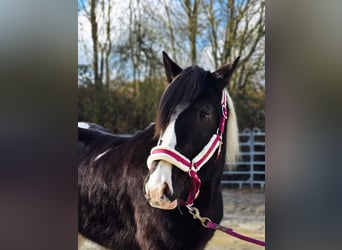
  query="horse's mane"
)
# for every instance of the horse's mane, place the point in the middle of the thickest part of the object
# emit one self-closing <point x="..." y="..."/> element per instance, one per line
<point x="183" y="91"/>
<point x="232" y="135"/>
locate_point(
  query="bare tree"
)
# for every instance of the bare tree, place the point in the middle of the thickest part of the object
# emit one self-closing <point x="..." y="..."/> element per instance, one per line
<point x="170" y="28"/>
<point x="94" y="35"/>
<point x="191" y="9"/>
<point x="241" y="24"/>
<point x="98" y="14"/>
<point x="228" y="28"/>
<point x="107" y="47"/>
<point x="129" y="43"/>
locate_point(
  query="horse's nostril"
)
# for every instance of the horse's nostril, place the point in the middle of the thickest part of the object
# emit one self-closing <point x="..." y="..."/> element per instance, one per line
<point x="166" y="192"/>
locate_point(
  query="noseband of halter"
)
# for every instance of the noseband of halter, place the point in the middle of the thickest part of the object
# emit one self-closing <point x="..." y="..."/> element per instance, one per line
<point x="193" y="166"/>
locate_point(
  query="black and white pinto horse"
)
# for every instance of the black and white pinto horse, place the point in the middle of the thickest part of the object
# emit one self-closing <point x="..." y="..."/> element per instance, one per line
<point x="134" y="193"/>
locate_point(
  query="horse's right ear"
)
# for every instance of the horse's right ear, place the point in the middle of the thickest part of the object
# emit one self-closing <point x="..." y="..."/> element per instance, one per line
<point x="224" y="72"/>
<point x="171" y="68"/>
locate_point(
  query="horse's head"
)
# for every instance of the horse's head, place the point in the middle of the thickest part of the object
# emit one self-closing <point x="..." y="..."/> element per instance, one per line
<point x="189" y="127"/>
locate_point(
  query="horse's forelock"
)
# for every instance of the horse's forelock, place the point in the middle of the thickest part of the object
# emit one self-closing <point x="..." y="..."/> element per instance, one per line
<point x="182" y="92"/>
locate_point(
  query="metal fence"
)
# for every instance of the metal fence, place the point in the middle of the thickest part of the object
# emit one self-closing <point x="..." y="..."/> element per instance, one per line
<point x="250" y="169"/>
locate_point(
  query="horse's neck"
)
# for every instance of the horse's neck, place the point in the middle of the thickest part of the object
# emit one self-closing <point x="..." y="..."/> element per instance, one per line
<point x="143" y="142"/>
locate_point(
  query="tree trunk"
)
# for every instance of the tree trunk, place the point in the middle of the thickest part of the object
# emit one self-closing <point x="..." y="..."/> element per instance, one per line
<point x="94" y="35"/>
<point x="192" y="13"/>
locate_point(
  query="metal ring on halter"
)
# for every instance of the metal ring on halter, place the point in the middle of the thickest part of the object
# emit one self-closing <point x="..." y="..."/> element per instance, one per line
<point x="219" y="133"/>
<point x="193" y="169"/>
<point x="224" y="111"/>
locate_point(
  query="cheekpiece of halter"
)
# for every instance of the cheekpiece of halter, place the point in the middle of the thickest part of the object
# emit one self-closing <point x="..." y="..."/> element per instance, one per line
<point x="193" y="166"/>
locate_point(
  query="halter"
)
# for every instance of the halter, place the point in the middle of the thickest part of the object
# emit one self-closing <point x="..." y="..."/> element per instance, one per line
<point x="193" y="166"/>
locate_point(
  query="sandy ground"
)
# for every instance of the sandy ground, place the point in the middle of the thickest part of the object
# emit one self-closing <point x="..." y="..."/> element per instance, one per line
<point x="244" y="211"/>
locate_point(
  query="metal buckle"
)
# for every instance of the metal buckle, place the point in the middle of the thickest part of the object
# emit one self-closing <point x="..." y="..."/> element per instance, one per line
<point x="196" y="214"/>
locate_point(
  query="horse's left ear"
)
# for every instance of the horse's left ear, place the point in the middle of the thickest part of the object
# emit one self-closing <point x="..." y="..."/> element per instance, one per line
<point x="224" y="72"/>
<point x="171" y="68"/>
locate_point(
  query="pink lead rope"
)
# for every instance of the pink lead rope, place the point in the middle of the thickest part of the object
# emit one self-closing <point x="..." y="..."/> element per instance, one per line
<point x="231" y="232"/>
<point x="207" y="223"/>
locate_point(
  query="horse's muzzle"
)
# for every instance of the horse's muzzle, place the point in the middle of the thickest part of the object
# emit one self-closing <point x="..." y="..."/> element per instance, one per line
<point x="167" y="205"/>
<point x="161" y="198"/>
<point x="158" y="187"/>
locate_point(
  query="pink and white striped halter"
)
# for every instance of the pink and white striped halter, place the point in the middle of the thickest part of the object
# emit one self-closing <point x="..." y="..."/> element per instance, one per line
<point x="193" y="166"/>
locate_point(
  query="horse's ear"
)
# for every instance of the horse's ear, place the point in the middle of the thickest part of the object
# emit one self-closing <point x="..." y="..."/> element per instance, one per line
<point x="171" y="68"/>
<point x="224" y="72"/>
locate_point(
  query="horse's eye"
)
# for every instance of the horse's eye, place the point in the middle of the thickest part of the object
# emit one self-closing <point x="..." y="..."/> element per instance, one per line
<point x="204" y="116"/>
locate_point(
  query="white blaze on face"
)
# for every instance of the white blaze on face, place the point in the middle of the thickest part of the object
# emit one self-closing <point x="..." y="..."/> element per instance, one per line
<point x="162" y="175"/>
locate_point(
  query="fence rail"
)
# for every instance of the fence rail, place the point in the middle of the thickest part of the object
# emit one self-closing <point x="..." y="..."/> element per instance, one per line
<point x="250" y="169"/>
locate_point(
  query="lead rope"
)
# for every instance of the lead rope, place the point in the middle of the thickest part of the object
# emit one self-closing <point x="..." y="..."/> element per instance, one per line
<point x="207" y="223"/>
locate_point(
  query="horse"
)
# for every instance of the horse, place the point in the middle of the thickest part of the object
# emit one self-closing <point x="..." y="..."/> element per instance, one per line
<point x="137" y="192"/>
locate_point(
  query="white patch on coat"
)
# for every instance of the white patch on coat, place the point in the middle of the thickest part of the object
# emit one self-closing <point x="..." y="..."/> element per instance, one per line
<point x="102" y="154"/>
<point x="83" y="125"/>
